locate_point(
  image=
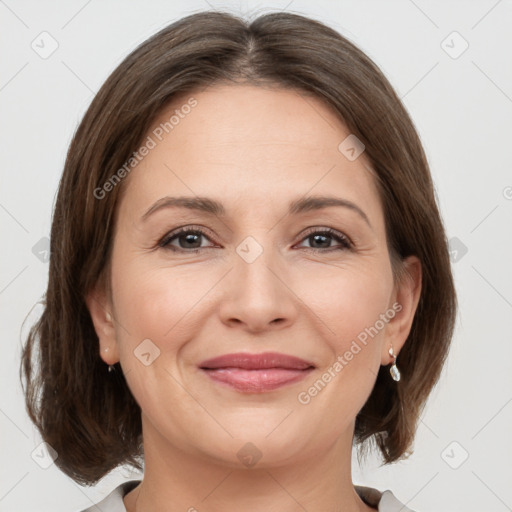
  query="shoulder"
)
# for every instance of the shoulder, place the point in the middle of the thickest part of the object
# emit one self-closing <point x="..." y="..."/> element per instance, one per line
<point x="385" y="501"/>
<point x="114" y="501"/>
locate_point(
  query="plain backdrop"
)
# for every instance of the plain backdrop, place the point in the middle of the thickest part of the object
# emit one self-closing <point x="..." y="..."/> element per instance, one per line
<point x="450" y="63"/>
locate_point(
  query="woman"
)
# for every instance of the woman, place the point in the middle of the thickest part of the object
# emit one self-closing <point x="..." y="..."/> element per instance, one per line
<point x="248" y="273"/>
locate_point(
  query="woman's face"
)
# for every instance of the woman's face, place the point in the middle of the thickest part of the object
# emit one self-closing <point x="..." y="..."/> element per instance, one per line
<point x="257" y="274"/>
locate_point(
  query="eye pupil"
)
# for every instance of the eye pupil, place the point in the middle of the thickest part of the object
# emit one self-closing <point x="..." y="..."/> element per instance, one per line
<point x="321" y="238"/>
<point x="190" y="239"/>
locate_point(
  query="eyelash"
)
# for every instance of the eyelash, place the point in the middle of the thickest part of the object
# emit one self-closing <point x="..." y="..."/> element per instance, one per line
<point x="345" y="242"/>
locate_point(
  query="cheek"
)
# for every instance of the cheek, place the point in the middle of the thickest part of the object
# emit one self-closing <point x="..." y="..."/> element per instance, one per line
<point x="352" y="309"/>
<point x="354" y="300"/>
<point x="155" y="309"/>
<point x="154" y="302"/>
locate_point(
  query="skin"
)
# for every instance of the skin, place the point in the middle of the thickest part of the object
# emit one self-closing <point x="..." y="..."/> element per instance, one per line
<point x="254" y="149"/>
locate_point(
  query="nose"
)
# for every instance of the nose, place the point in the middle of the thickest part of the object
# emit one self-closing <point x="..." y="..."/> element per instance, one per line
<point x="256" y="296"/>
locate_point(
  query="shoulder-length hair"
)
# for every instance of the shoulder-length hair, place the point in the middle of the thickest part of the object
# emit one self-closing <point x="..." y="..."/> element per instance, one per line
<point x="92" y="419"/>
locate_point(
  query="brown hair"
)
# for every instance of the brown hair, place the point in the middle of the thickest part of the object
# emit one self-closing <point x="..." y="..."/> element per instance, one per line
<point x="90" y="418"/>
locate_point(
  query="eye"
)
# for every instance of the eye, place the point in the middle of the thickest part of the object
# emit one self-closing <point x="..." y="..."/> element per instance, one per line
<point x="188" y="240"/>
<point x="320" y="239"/>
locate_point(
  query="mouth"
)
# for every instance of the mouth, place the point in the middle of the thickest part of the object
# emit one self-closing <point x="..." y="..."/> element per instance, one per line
<point x="256" y="373"/>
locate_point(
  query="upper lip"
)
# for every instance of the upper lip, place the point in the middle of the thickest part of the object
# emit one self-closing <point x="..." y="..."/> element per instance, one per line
<point x="261" y="361"/>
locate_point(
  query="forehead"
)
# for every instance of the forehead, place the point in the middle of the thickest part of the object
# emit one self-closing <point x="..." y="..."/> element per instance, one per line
<point x="245" y="144"/>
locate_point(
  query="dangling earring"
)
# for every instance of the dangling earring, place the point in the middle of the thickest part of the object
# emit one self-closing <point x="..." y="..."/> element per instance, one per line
<point x="110" y="366"/>
<point x="395" y="374"/>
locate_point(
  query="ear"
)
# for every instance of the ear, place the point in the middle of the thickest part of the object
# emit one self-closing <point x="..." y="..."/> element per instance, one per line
<point x="405" y="301"/>
<point x="100" y="309"/>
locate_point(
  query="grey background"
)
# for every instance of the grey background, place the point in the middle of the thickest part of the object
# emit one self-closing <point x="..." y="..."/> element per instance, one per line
<point x="461" y="103"/>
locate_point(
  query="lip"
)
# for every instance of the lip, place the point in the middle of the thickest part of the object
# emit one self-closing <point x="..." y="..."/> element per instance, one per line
<point x="256" y="373"/>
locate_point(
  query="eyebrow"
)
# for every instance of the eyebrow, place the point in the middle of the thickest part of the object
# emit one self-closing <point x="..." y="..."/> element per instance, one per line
<point x="213" y="207"/>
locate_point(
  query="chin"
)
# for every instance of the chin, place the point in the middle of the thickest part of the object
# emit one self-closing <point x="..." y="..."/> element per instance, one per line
<point x="257" y="447"/>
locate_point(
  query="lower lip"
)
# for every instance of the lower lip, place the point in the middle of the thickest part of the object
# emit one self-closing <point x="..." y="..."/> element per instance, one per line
<point x="257" y="381"/>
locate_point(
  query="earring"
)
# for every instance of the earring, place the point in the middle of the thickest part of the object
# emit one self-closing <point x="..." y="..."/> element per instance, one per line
<point x="109" y="317"/>
<point x="111" y="368"/>
<point x="395" y="374"/>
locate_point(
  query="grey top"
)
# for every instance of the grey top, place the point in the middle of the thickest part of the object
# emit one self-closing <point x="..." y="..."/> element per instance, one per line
<point x="384" y="501"/>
